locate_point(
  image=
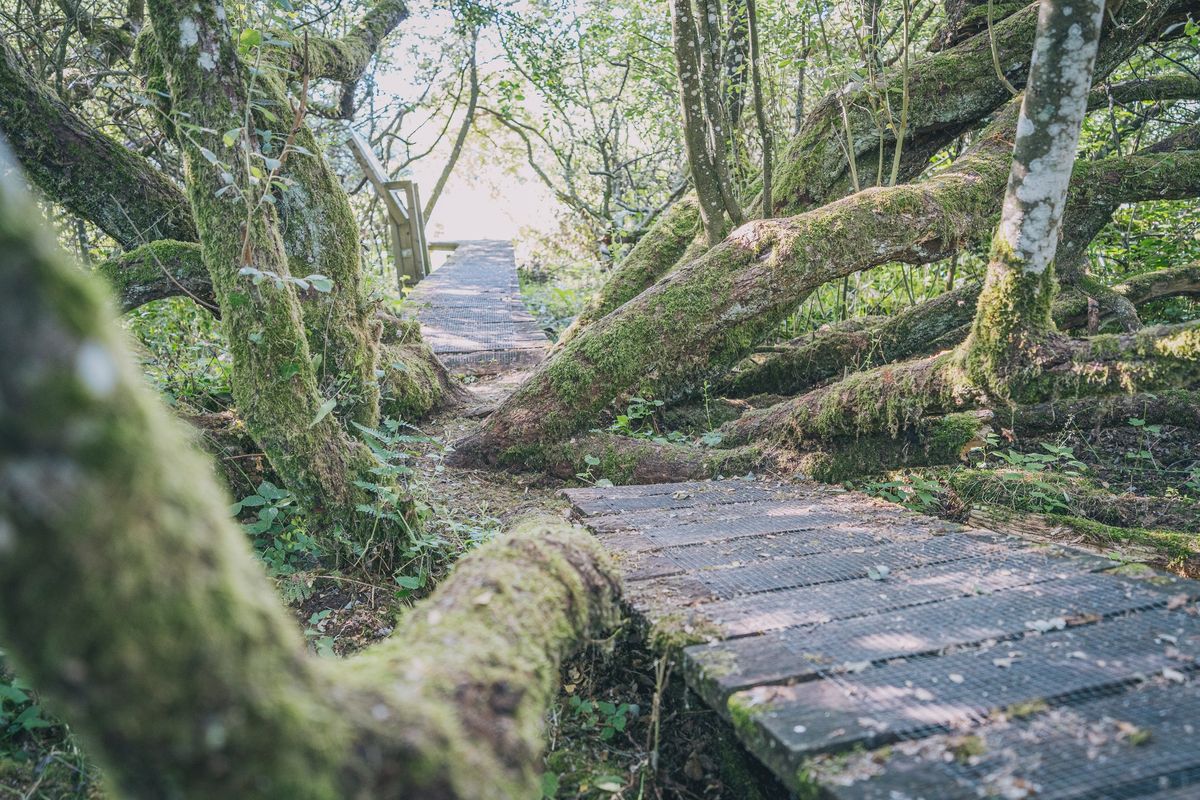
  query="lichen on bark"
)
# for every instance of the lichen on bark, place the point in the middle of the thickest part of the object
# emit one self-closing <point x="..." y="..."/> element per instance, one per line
<point x="1014" y="307"/>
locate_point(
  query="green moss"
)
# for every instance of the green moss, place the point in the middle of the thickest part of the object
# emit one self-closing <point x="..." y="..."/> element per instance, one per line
<point x="1026" y="709"/>
<point x="413" y="383"/>
<point x="188" y="667"/>
<point x="660" y="250"/>
<point x="480" y="658"/>
<point x="277" y="386"/>
<point x="1012" y="318"/>
<point x="158" y="269"/>
<point x="742" y="714"/>
<point x="1178" y="550"/>
<point x="674" y="631"/>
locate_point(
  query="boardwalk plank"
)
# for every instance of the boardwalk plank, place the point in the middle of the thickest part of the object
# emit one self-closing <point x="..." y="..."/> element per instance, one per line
<point x="1140" y="743"/>
<point x="960" y="690"/>
<point x="471" y="312"/>
<point x="813" y="649"/>
<point x="793" y="655"/>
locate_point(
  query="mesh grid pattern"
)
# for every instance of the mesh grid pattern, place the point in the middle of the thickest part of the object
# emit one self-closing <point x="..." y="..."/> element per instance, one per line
<point x="992" y="667"/>
<point x="826" y="567"/>
<point x="797" y="654"/>
<point x="471" y="312"/>
<point x="745" y="616"/>
<point x="879" y="705"/>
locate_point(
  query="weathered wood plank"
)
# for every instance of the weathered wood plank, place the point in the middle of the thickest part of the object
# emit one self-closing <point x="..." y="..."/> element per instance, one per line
<point x="961" y="690"/>
<point x="471" y="312"/>
<point x="836" y="621"/>
<point x="707" y="585"/>
<point x="745" y="616"/>
<point x="1139" y="743"/>
<point x="792" y="655"/>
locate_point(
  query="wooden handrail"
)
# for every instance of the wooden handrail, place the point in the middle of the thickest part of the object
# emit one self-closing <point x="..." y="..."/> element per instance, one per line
<point x="402" y="199"/>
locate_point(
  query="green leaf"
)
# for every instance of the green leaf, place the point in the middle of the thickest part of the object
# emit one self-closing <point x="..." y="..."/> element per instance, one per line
<point x="321" y="283"/>
<point x="410" y="581"/>
<point x="231" y="136"/>
<point x="323" y="411"/>
<point x="209" y="155"/>
<point x="271" y="491"/>
<point x="250" y="38"/>
<point x="549" y="785"/>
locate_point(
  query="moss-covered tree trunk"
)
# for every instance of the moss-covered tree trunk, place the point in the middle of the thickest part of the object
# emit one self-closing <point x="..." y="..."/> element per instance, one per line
<point x="1013" y="315"/>
<point x="951" y="91"/>
<point x="705" y="315"/>
<point x="90" y="174"/>
<point x="275" y="371"/>
<point x="131" y="600"/>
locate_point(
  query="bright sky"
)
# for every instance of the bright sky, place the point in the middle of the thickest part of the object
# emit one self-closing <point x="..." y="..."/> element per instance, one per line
<point x="483" y="199"/>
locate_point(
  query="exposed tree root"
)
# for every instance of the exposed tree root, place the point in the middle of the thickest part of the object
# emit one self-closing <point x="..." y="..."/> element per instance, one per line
<point x="414" y="382"/>
<point x="626" y="460"/>
<point x="856" y="343"/>
<point x="1180" y="407"/>
<point x="1075" y="495"/>
<point x="933" y="325"/>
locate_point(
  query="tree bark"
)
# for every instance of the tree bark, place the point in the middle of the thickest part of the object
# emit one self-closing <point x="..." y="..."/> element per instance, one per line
<point x="1013" y="315"/>
<point x="695" y="132"/>
<point x="346" y="59"/>
<point x="737" y="58"/>
<point x="943" y="322"/>
<point x="275" y="385"/>
<point x="663" y="247"/>
<point x="715" y="115"/>
<point x="760" y="111"/>
<point x="720" y="305"/>
<point x="950" y="92"/>
<point x="76" y="165"/>
<point x="463" y="130"/>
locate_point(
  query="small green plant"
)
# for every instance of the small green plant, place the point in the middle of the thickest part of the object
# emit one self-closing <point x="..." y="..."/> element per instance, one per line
<point x="1192" y="482"/>
<point x="281" y="540"/>
<point x="1058" y="458"/>
<point x="587" y="477"/>
<point x="1144" y="455"/>
<point x="605" y="717"/>
<point x="638" y="419"/>
<point x="911" y="491"/>
<point x="19" y="710"/>
<point x="320" y="641"/>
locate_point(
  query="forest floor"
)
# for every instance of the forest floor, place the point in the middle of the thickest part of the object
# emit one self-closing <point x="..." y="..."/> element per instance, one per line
<point x="605" y="738"/>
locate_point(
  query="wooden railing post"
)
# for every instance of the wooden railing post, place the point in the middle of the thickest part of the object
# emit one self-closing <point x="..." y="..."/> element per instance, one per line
<point x="402" y="200"/>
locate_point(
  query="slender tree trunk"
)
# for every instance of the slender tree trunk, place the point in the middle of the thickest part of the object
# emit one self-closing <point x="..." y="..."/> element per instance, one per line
<point x="764" y="123"/>
<point x="720" y="305"/>
<point x="463" y="130"/>
<point x="695" y="129"/>
<point x="716" y="116"/>
<point x="275" y="384"/>
<point x="1013" y="315"/>
<point x="737" y="58"/>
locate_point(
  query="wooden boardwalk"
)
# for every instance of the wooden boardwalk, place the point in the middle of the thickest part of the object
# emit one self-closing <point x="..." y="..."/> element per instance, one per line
<point x="884" y="655"/>
<point x="471" y="312"/>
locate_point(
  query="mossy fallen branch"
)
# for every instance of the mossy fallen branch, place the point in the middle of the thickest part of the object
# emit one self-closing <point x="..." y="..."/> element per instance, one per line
<point x="130" y="598"/>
